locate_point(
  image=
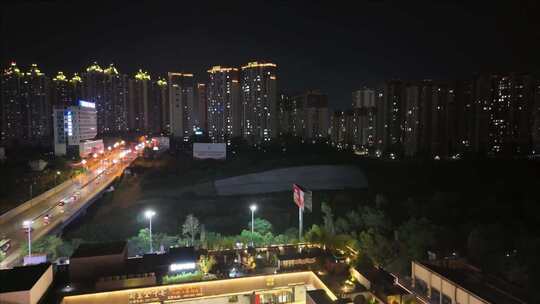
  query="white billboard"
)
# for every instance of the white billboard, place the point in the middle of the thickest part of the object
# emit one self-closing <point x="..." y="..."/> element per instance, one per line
<point x="212" y="151"/>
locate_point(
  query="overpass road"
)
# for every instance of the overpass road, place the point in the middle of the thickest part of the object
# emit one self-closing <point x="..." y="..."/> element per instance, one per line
<point x="53" y="212"/>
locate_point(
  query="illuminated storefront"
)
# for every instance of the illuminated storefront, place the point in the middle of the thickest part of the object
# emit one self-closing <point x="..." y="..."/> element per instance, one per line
<point x="278" y="288"/>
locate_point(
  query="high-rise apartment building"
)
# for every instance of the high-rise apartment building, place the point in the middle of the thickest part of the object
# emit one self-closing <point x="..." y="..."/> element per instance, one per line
<point x="287" y="116"/>
<point x="310" y="112"/>
<point x="114" y="117"/>
<point x="259" y="102"/>
<point x="93" y="90"/>
<point x="224" y="111"/>
<point x="26" y="109"/>
<point x="138" y="105"/>
<point x="14" y="110"/>
<point x="61" y="95"/>
<point x="181" y="100"/>
<point x="390" y="107"/>
<point x="160" y="107"/>
<point x="341" y="126"/>
<point x="364" y="119"/>
<point x="202" y="106"/>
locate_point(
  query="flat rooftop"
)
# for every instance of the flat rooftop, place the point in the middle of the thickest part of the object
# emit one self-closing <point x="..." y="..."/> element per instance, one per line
<point x="204" y="289"/>
<point x="21" y="278"/>
<point x="486" y="287"/>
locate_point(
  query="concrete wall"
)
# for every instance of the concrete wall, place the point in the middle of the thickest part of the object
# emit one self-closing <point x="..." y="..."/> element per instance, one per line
<point x="16" y="297"/>
<point x="324" y="177"/>
<point x="41" y="286"/>
<point x="31" y="296"/>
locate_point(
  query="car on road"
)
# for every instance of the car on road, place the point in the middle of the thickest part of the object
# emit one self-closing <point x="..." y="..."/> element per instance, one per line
<point x="5" y="244"/>
<point x="47" y="219"/>
<point x="61" y="203"/>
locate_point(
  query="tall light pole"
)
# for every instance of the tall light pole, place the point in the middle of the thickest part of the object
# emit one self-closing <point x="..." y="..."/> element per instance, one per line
<point x="149" y="214"/>
<point x="28" y="225"/>
<point x="56" y="178"/>
<point x="252" y="208"/>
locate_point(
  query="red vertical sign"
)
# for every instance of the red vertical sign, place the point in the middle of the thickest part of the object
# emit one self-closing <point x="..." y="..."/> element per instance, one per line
<point x="298" y="196"/>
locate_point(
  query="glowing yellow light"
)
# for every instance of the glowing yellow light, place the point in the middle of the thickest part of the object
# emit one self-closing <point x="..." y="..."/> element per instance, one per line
<point x="60" y="77"/>
<point x="76" y="78"/>
<point x="142" y="75"/>
<point x="180" y="74"/>
<point x="235" y="81"/>
<point x="161" y="83"/>
<point x="111" y="70"/>
<point x="273" y="77"/>
<point x="256" y="64"/>
<point x="94" y="68"/>
<point x="220" y="69"/>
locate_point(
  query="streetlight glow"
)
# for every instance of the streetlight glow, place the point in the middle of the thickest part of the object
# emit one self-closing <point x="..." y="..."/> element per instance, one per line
<point x="28" y="225"/>
<point x="58" y="172"/>
<point x="252" y="208"/>
<point x="149" y="214"/>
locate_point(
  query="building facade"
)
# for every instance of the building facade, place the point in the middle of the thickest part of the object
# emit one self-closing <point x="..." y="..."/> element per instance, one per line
<point x="138" y="105"/>
<point x="181" y="100"/>
<point x="258" y="110"/>
<point x="26" y="109"/>
<point x="224" y="108"/>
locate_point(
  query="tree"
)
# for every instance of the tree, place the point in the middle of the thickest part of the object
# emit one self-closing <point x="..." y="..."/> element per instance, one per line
<point x="139" y="244"/>
<point x="191" y="227"/>
<point x="373" y="218"/>
<point x="202" y="237"/>
<point x="417" y="236"/>
<point x="328" y="218"/>
<point x="48" y="245"/>
<point x="261" y="226"/>
<point x="342" y="226"/>
<point x="376" y="246"/>
<point x="206" y="263"/>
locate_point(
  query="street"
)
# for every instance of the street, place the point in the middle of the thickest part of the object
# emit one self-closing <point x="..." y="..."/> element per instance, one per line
<point x="48" y="213"/>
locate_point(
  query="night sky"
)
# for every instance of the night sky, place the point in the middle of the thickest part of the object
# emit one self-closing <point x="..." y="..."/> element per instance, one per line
<point x="333" y="46"/>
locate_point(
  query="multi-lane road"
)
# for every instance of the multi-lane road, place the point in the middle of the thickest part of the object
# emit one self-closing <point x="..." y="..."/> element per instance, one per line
<point x="52" y="212"/>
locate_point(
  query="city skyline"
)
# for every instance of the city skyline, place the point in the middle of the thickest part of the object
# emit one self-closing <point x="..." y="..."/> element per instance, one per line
<point x="326" y="46"/>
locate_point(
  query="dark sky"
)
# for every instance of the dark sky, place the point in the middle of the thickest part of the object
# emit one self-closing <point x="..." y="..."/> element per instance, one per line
<point x="329" y="45"/>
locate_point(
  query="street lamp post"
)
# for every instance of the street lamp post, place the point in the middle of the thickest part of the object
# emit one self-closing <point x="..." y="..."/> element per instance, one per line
<point x="149" y="214"/>
<point x="28" y="225"/>
<point x="252" y="208"/>
<point x="56" y="178"/>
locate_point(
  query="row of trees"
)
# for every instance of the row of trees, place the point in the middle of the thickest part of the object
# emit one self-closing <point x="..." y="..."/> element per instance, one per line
<point x="369" y="231"/>
<point x="193" y="233"/>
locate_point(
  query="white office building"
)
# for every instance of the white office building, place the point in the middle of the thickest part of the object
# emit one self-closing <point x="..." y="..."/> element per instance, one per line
<point x="75" y="129"/>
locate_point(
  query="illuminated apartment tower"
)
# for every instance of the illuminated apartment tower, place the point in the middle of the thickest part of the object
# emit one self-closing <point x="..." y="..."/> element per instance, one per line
<point x="181" y="98"/>
<point x="93" y="90"/>
<point x="389" y="102"/>
<point x="223" y="104"/>
<point x="364" y="119"/>
<point x="311" y="119"/>
<point x="138" y="106"/>
<point x="25" y="107"/>
<point x="202" y="109"/>
<point x="115" y="101"/>
<point x="259" y="102"/>
<point x="160" y="107"/>
<point x="61" y="95"/>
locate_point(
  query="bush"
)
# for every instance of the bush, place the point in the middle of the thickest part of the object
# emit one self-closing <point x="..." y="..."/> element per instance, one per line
<point x="182" y="277"/>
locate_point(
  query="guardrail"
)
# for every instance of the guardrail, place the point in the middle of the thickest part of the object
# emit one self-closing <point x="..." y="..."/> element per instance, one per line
<point x="28" y="204"/>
